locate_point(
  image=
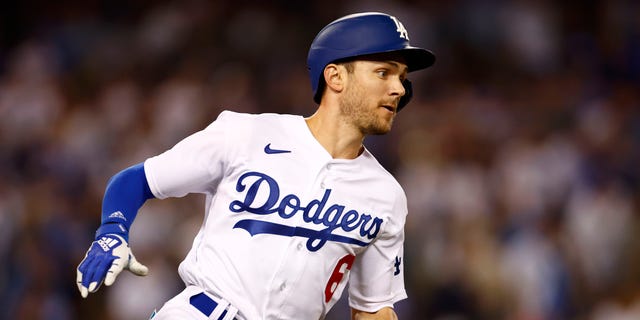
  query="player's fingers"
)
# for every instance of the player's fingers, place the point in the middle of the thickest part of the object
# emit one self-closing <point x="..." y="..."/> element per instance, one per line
<point x="85" y="261"/>
<point x="94" y="286"/>
<point x="83" y="290"/>
<point x="96" y="272"/>
<point x="85" y="270"/>
<point x="116" y="267"/>
<point x="110" y="278"/>
<point x="139" y="269"/>
<point x="136" y="267"/>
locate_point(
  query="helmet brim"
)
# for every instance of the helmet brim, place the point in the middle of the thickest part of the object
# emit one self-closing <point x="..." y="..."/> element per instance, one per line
<point x="418" y="58"/>
<point x="415" y="58"/>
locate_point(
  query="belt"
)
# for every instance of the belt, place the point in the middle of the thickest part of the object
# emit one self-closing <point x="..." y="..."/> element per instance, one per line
<point x="206" y="305"/>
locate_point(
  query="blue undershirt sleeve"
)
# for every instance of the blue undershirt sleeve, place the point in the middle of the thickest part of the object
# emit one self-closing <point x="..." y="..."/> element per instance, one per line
<point x="125" y="194"/>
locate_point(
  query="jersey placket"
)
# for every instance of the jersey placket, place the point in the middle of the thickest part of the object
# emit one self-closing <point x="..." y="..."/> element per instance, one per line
<point x="294" y="261"/>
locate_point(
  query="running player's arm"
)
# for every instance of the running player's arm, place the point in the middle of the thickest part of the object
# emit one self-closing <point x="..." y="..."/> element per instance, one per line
<point x="385" y="313"/>
<point x="376" y="278"/>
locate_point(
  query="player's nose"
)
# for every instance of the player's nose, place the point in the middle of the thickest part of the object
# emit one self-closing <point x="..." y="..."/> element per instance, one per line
<point x="397" y="88"/>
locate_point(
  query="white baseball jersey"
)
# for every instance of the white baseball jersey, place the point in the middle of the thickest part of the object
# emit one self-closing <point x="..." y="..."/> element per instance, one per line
<point x="285" y="225"/>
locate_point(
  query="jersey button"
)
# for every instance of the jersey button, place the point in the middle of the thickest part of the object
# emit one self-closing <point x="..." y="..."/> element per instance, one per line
<point x="300" y="246"/>
<point x="283" y="286"/>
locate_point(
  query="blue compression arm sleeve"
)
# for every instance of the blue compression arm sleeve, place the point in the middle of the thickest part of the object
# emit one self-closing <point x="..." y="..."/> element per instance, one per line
<point x="125" y="194"/>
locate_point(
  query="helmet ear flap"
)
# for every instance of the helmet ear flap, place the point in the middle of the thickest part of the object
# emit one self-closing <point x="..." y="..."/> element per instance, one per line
<point x="408" y="94"/>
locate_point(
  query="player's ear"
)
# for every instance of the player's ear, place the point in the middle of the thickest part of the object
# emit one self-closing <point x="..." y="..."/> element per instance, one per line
<point x="334" y="77"/>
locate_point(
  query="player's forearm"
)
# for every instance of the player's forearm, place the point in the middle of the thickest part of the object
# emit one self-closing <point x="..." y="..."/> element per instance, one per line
<point x="382" y="314"/>
<point x="126" y="192"/>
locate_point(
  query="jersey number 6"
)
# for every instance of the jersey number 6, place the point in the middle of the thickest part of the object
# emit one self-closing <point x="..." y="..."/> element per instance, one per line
<point x="342" y="266"/>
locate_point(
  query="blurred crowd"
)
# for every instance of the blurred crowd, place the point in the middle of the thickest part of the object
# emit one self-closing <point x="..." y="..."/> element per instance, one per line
<point x="519" y="154"/>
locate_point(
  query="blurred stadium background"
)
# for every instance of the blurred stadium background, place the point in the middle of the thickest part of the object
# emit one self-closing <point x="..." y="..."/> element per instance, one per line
<point x="519" y="154"/>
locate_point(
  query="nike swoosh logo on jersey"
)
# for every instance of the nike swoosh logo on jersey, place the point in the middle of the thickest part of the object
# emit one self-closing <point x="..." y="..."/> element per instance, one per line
<point x="268" y="150"/>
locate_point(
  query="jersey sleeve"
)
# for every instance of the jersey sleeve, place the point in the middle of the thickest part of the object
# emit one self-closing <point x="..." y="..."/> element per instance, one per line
<point x="376" y="279"/>
<point x="194" y="165"/>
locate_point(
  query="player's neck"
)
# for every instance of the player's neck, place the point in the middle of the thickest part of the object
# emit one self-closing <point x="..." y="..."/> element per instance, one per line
<point x="340" y="140"/>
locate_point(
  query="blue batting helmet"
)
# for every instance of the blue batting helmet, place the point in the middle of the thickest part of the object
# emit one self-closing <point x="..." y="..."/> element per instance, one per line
<point x="363" y="34"/>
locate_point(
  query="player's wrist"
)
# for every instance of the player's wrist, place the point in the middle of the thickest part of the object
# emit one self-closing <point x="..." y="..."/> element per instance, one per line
<point x="113" y="228"/>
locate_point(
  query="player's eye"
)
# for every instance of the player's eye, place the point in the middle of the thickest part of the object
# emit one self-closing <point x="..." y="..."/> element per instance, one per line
<point x="382" y="73"/>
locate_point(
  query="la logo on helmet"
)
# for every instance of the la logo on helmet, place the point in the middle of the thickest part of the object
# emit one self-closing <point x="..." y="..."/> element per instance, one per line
<point x="400" y="28"/>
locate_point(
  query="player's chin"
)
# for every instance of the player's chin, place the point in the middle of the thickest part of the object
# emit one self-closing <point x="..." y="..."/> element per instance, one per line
<point x="386" y="122"/>
<point x="386" y="128"/>
<point x="380" y="128"/>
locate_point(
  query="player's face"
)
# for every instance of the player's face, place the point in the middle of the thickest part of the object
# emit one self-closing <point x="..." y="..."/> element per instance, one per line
<point x="371" y="95"/>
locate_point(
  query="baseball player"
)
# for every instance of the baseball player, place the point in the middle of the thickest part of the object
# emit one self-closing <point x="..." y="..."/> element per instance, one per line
<point x="295" y="207"/>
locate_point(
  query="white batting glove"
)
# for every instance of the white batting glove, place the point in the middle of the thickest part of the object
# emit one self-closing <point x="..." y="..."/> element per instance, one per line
<point x="104" y="261"/>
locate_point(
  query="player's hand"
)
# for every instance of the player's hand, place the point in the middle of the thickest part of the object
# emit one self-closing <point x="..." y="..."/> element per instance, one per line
<point x="105" y="259"/>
